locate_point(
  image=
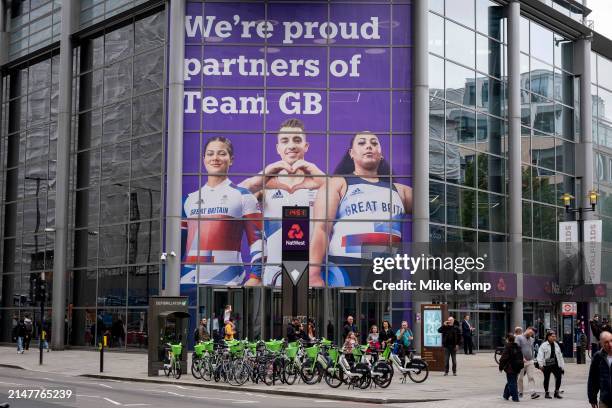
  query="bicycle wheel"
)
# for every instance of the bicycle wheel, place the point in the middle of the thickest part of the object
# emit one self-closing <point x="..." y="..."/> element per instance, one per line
<point x="365" y="381"/>
<point x="383" y="380"/>
<point x="290" y="373"/>
<point x="310" y="374"/>
<point x="167" y="369"/>
<point x="335" y="378"/>
<point x="177" y="369"/>
<point x="269" y="372"/>
<point x="196" y="365"/>
<point x="421" y="374"/>
<point x="241" y="373"/>
<point x="206" y="370"/>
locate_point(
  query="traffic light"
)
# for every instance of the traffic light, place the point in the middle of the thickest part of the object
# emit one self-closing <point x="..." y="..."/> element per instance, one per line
<point x="40" y="289"/>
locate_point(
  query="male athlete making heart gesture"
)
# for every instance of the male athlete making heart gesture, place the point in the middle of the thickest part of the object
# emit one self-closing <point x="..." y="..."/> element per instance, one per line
<point x="290" y="181"/>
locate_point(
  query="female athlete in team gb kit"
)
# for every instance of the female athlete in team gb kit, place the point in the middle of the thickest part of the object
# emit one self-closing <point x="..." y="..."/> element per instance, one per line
<point x="373" y="204"/>
<point x="217" y="216"/>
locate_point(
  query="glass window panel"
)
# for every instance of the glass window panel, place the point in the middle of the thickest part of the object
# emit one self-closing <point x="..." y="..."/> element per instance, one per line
<point x="460" y="206"/>
<point x="117" y="119"/>
<point x="544" y="116"/>
<point x="543" y="151"/>
<point x="604" y="104"/>
<point x="436" y="34"/>
<point x="564" y="53"/>
<point x="147" y="155"/>
<point x="148" y="191"/>
<point x="112" y="286"/>
<point x="150" y="32"/>
<point x="460" y="165"/>
<point x="490" y="134"/>
<point x="564" y="121"/>
<point x="541" y="42"/>
<point x="118" y="81"/>
<point x="524" y="35"/>
<point x="148" y="71"/>
<point x="436" y="202"/>
<point x="462" y="11"/>
<point x="115" y="162"/>
<point x="460" y="84"/>
<point x="490" y="56"/>
<point x="454" y="234"/>
<point x="604" y="67"/>
<point x="544" y="182"/>
<point x="461" y="43"/>
<point x="118" y="44"/>
<point x="114" y="204"/>
<point x="544" y="222"/>
<point x="436" y="76"/>
<point x="148" y="113"/>
<point x="437" y="6"/>
<point x="437" y="167"/>
<point x="541" y="78"/>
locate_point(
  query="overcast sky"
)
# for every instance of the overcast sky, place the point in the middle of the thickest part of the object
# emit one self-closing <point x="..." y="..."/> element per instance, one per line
<point x="602" y="15"/>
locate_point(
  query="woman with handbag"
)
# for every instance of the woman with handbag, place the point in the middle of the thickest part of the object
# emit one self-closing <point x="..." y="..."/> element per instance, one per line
<point x="550" y="361"/>
<point x="511" y="361"/>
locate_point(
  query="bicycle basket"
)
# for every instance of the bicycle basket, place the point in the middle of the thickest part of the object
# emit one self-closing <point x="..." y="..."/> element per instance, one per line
<point x="177" y="349"/>
<point x="325" y="342"/>
<point x="291" y="352"/>
<point x="252" y="347"/>
<point x="386" y="353"/>
<point x="236" y="348"/>
<point x="209" y="346"/>
<point x="199" y="349"/>
<point x="358" y="351"/>
<point x="333" y="354"/>
<point x="312" y="352"/>
<point x="294" y="344"/>
<point x="274" y="346"/>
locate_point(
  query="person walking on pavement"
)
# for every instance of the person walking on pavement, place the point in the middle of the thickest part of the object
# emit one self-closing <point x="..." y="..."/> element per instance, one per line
<point x="525" y="342"/>
<point x="467" y="331"/>
<point x="596" y="332"/>
<point x="600" y="374"/>
<point x="451" y="339"/>
<point x="29" y="330"/>
<point x="19" y="334"/>
<point x="511" y="361"/>
<point x="350" y="326"/>
<point x="550" y="361"/>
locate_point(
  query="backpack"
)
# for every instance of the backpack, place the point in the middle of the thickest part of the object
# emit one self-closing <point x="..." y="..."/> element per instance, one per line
<point x="28" y="325"/>
<point x="517" y="363"/>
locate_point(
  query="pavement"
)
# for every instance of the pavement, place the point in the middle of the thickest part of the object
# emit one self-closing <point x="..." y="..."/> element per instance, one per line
<point x="125" y="376"/>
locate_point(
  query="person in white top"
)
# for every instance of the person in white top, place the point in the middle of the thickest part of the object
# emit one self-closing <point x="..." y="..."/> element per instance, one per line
<point x="375" y="204"/>
<point x="550" y="361"/>
<point x="291" y="181"/>
<point x="216" y="217"/>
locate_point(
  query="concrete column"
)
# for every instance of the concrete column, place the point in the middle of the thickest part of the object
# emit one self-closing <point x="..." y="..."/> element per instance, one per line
<point x="69" y="23"/>
<point x="175" y="148"/>
<point x="515" y="212"/>
<point x="420" y="115"/>
<point x="584" y="162"/>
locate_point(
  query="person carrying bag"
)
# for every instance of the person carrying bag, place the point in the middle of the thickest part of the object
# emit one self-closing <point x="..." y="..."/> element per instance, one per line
<point x="550" y="361"/>
<point x="511" y="362"/>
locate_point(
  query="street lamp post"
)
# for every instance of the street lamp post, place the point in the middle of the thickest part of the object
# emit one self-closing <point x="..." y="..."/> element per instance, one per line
<point x="567" y="200"/>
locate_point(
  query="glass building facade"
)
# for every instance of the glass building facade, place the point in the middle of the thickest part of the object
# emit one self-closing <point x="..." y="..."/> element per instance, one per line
<point x="119" y="141"/>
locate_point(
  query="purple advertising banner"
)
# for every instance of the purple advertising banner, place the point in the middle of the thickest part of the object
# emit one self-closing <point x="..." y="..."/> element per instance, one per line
<point x="294" y="104"/>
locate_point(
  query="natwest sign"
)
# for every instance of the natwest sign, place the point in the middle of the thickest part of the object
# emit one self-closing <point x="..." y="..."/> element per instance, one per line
<point x="295" y="229"/>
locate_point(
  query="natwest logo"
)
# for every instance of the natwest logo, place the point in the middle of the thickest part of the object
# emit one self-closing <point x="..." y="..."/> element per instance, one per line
<point x="295" y="232"/>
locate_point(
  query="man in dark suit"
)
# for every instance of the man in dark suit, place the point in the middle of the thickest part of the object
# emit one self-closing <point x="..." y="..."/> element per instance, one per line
<point x="467" y="332"/>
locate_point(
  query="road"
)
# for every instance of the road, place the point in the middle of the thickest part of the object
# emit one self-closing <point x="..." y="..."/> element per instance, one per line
<point x="94" y="393"/>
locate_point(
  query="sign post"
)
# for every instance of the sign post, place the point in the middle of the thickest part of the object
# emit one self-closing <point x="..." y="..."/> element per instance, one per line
<point x="296" y="237"/>
<point x="432" y="350"/>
